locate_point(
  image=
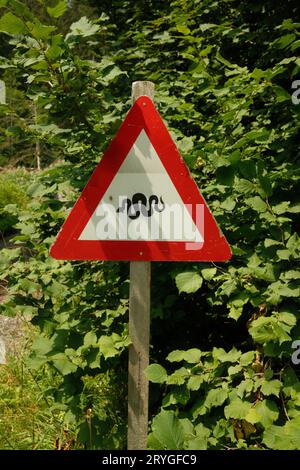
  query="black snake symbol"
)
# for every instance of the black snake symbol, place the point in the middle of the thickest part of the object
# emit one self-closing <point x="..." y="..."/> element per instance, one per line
<point x="138" y="205"/>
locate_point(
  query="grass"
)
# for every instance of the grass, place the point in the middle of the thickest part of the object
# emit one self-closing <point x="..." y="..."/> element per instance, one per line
<point x="27" y="421"/>
<point x="12" y="191"/>
<point x="31" y="420"/>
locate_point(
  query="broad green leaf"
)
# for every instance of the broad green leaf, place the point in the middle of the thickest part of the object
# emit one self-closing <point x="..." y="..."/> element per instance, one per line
<point x="245" y="387"/>
<point x="178" y="395"/>
<point x="288" y="318"/>
<point x="56" y="289"/>
<point x="192" y="356"/>
<point x="233" y="370"/>
<point x="90" y="339"/>
<point x="237" y="409"/>
<point x="269" y="242"/>
<point x="232" y="356"/>
<point x="93" y="358"/>
<point x="176" y="356"/>
<point x="156" y="373"/>
<point x="107" y="346"/>
<point x="168" y="430"/>
<point x="153" y="443"/>
<point x="178" y="377"/>
<point x="215" y="397"/>
<point x="200" y="441"/>
<point x="266" y="329"/>
<point x="110" y="73"/>
<point x="285" y="437"/>
<point x="83" y="27"/>
<point x="42" y="345"/>
<point x="35" y="361"/>
<point x="11" y="24"/>
<point x="188" y="282"/>
<point x="208" y="273"/>
<point x="244" y="186"/>
<point x="40" y="31"/>
<point x="59" y="9"/>
<point x="228" y="204"/>
<point x="63" y="364"/>
<point x="29" y="286"/>
<point x="252" y="416"/>
<point x="267" y="411"/>
<point x="256" y="203"/>
<point x="247" y="358"/>
<point x="284" y="41"/>
<point x="194" y="382"/>
<point x="183" y="29"/>
<point x="271" y="387"/>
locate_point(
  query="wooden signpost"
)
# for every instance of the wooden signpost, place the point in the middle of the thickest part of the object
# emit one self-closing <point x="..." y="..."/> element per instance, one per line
<point x="141" y="205"/>
<point x="139" y="332"/>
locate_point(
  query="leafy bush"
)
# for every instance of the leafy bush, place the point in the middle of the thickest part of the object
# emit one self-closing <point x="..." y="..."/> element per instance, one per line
<point x="12" y="191"/>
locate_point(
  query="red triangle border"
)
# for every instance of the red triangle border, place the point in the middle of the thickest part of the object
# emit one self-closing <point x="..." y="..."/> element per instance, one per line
<point x="67" y="246"/>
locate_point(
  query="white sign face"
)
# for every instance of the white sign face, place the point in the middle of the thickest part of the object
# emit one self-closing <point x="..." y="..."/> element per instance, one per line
<point x="142" y="203"/>
<point x="2" y="92"/>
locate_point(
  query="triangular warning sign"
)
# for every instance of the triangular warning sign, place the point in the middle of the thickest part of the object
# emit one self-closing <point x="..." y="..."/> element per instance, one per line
<point x="141" y="203"/>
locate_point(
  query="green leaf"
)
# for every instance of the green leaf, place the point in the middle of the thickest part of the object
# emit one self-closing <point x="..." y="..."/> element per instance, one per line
<point x="271" y="387"/>
<point x="112" y="72"/>
<point x="183" y="29"/>
<point x="107" y="346"/>
<point x="59" y="9"/>
<point x="178" y="377"/>
<point x="40" y="31"/>
<point x="178" y="395"/>
<point x="90" y="339"/>
<point x="234" y="370"/>
<point x="176" y="356"/>
<point x="42" y="345"/>
<point x="284" y="41"/>
<point x="29" y="286"/>
<point x="252" y="416"/>
<point x="237" y="409"/>
<point x="208" y="273"/>
<point x="285" y="437"/>
<point x="266" y="329"/>
<point x="269" y="242"/>
<point x="191" y="356"/>
<point x="156" y="373"/>
<point x="256" y="203"/>
<point x="199" y="442"/>
<point x="84" y="28"/>
<point x="63" y="364"/>
<point x="267" y="411"/>
<point x="11" y="24"/>
<point x="56" y="289"/>
<point x="247" y="358"/>
<point x="215" y="397"/>
<point x="194" y="382"/>
<point x="168" y="430"/>
<point x="244" y="186"/>
<point x="188" y="282"/>
<point x="221" y="355"/>
<point x="244" y="388"/>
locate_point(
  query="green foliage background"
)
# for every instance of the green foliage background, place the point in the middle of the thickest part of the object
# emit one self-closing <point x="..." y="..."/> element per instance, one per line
<point x="222" y="334"/>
